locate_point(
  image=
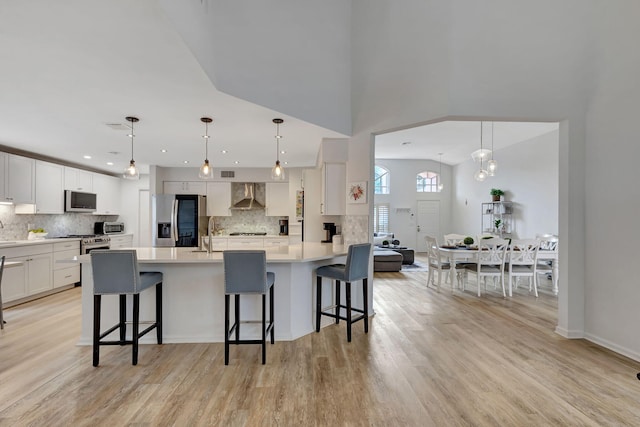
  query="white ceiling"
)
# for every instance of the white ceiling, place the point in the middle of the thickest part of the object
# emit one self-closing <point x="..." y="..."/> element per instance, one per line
<point x="455" y="139"/>
<point x="70" y="68"/>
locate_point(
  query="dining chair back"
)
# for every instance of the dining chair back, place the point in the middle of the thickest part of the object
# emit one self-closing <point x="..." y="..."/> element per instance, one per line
<point x="523" y="256"/>
<point x="491" y="256"/>
<point x="436" y="262"/>
<point x="454" y="239"/>
<point x="548" y="246"/>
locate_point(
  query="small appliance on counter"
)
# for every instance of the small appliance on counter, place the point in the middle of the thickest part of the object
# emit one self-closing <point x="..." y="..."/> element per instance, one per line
<point x="330" y="231"/>
<point x="104" y="227"/>
<point x="284" y="227"/>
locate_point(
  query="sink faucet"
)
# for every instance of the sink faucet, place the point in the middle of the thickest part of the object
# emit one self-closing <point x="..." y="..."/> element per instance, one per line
<point x="210" y="228"/>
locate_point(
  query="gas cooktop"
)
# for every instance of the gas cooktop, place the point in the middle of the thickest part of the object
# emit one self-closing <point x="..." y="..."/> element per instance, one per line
<point x="248" y="233"/>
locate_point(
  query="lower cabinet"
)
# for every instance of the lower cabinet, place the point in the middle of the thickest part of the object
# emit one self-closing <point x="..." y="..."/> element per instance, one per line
<point x="64" y="273"/>
<point x="122" y="241"/>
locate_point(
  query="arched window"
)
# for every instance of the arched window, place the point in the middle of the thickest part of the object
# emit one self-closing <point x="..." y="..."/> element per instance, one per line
<point x="427" y="182"/>
<point x="381" y="181"/>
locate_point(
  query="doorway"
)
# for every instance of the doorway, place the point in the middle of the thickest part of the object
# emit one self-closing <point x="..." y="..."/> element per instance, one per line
<point x="428" y="223"/>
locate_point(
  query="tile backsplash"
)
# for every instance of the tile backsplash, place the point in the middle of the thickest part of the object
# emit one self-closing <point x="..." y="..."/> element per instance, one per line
<point x="247" y="221"/>
<point x="355" y="229"/>
<point x="15" y="227"/>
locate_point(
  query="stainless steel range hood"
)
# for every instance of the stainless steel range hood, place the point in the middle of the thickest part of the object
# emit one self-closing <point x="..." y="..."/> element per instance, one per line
<point x="249" y="201"/>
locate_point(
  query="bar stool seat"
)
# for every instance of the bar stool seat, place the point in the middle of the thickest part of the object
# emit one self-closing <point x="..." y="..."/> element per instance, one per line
<point x="115" y="272"/>
<point x="245" y="272"/>
<point x="356" y="268"/>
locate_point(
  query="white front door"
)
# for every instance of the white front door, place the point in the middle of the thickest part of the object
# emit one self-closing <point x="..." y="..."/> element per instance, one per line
<point x="428" y="222"/>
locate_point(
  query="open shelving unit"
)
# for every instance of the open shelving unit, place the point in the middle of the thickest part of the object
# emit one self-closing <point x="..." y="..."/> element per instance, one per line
<point x="492" y="211"/>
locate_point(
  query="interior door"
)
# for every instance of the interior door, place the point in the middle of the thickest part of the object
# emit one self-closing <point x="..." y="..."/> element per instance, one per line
<point x="428" y="222"/>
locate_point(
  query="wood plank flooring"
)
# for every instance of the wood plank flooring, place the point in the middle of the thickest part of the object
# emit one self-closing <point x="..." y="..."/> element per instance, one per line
<point x="430" y="359"/>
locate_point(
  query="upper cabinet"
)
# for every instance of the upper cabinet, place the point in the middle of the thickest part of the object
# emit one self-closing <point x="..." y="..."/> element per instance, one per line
<point x="218" y="198"/>
<point x="49" y="195"/>
<point x="185" y="187"/>
<point x="277" y="199"/>
<point x="107" y="189"/>
<point x="18" y="178"/>
<point x="334" y="177"/>
<point x="78" y="180"/>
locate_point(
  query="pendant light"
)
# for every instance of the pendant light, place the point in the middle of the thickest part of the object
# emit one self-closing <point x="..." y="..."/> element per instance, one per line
<point x="206" y="171"/>
<point x="492" y="165"/>
<point x="440" y="185"/>
<point x="277" y="173"/>
<point x="131" y="172"/>
<point x="480" y="174"/>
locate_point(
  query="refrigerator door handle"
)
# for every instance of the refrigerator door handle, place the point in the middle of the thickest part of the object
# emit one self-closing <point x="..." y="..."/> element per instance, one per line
<point x="174" y="220"/>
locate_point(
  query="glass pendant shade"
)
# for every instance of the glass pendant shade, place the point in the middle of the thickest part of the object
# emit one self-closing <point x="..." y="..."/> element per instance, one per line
<point x="206" y="171"/>
<point x="492" y="166"/>
<point x="480" y="175"/>
<point x="131" y="172"/>
<point x="277" y="173"/>
<point x="481" y="154"/>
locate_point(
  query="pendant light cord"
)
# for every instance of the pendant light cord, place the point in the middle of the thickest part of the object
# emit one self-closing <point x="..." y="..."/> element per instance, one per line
<point x="481" y="155"/>
<point x="132" y="134"/>
<point x="277" y="142"/>
<point x="491" y="140"/>
<point x="206" y="141"/>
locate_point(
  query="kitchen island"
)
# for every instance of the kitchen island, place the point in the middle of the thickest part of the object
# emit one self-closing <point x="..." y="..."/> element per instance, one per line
<point x="193" y="292"/>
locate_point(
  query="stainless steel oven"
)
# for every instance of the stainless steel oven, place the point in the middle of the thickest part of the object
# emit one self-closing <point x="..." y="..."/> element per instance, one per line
<point x="93" y="241"/>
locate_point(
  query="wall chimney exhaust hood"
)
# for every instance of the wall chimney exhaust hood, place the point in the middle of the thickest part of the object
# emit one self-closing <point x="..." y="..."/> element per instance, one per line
<point x="249" y="201"/>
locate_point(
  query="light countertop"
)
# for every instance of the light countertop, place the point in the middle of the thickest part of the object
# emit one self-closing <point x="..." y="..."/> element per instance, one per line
<point x="303" y="252"/>
<point x="16" y="243"/>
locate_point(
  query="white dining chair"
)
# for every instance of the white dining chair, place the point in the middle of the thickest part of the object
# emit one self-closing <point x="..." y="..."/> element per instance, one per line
<point x="523" y="256"/>
<point x="456" y="240"/>
<point x="436" y="263"/>
<point x="491" y="256"/>
<point x="548" y="244"/>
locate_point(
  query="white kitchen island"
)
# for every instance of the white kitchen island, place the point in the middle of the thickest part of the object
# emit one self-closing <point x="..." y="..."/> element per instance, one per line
<point x="193" y="293"/>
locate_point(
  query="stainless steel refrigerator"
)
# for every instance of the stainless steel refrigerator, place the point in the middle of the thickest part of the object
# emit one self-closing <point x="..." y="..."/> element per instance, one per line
<point x="179" y="220"/>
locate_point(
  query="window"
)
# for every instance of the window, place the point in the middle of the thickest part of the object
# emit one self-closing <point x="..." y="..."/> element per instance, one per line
<point x="427" y="182"/>
<point x="381" y="218"/>
<point x="381" y="181"/>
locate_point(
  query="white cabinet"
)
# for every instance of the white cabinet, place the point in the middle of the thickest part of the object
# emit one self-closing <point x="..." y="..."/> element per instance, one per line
<point x="49" y="193"/>
<point x="218" y="243"/>
<point x="107" y="189"/>
<point x="78" y="180"/>
<point x="19" y="179"/>
<point x="277" y="195"/>
<point x="245" y="243"/>
<point x="4" y="172"/>
<point x="65" y="274"/>
<point x="33" y="276"/>
<point x="121" y="241"/>
<point x="334" y="177"/>
<point x="185" y="187"/>
<point x="271" y="242"/>
<point x="218" y="198"/>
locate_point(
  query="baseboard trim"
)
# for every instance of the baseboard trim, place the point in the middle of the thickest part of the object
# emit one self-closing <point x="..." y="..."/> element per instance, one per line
<point x="613" y="347"/>
<point x="572" y="335"/>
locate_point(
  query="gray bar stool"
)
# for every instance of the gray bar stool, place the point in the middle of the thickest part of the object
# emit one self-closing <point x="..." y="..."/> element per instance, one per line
<point x="115" y="272"/>
<point x="245" y="272"/>
<point x="356" y="268"/>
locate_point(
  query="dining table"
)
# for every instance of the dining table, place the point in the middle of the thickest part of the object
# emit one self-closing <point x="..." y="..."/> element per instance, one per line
<point x="455" y="254"/>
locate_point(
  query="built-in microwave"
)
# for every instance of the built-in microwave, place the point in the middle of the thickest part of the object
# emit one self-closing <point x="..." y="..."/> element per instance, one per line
<point x="76" y="201"/>
<point x="105" y="227"/>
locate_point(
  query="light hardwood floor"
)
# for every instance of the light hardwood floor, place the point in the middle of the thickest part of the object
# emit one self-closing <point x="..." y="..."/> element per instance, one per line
<point x="430" y="359"/>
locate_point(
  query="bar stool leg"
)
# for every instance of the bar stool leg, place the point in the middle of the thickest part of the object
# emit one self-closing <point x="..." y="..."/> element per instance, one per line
<point x="318" y="302"/>
<point x="136" y="322"/>
<point x="337" y="301"/>
<point x="226" y="329"/>
<point x="123" y="318"/>
<point x="159" y="313"/>
<point x="264" y="329"/>
<point x="348" y="295"/>
<point x="365" y="297"/>
<point x="96" y="329"/>
<point x="271" y="314"/>
<point x="237" y="317"/>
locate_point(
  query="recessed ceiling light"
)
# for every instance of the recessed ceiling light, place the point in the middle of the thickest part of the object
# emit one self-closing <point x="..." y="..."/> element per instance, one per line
<point x="109" y="163"/>
<point x="237" y="162"/>
<point x="164" y="150"/>
<point x="406" y="143"/>
<point x="286" y="163"/>
<point x="86" y="156"/>
<point x="185" y="162"/>
<point x="224" y="151"/>
<point x="283" y="152"/>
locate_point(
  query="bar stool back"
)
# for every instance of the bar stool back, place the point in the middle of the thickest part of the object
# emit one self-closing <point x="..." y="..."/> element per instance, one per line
<point x="355" y="268"/>
<point x="115" y="272"/>
<point x="245" y="272"/>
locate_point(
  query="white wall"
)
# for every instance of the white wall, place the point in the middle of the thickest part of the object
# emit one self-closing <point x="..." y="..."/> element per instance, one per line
<point x="403" y="194"/>
<point x="528" y="173"/>
<point x="129" y="204"/>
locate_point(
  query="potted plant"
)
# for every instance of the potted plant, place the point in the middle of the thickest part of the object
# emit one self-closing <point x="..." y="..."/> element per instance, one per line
<point x="468" y="241"/>
<point x="498" y="223"/>
<point x="497" y="194"/>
